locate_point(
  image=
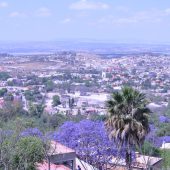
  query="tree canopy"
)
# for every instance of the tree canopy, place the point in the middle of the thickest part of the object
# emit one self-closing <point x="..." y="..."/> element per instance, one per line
<point x="89" y="139"/>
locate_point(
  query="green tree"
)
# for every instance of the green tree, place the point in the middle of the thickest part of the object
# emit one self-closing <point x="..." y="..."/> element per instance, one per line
<point x="56" y="100"/>
<point x="98" y="117"/>
<point x="88" y="83"/>
<point x="3" y="91"/>
<point x="4" y="76"/>
<point x="57" y="120"/>
<point x="11" y="109"/>
<point x="149" y="149"/>
<point x="10" y="83"/>
<point x="127" y="121"/>
<point x="29" y="95"/>
<point x="163" y="129"/>
<point x="28" y="152"/>
<point x="7" y="145"/>
<point x="49" y="85"/>
<point x="167" y="112"/>
<point x="165" y="154"/>
<point x="36" y="110"/>
<point x="71" y="103"/>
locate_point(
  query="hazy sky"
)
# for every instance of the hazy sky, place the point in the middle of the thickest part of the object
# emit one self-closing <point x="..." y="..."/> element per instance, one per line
<point x="116" y="20"/>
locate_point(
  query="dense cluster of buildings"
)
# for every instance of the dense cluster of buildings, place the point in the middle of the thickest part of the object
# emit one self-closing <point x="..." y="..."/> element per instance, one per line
<point x="85" y="78"/>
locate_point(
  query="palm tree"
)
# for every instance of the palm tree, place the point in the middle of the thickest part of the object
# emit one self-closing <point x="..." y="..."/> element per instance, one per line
<point x="127" y="121"/>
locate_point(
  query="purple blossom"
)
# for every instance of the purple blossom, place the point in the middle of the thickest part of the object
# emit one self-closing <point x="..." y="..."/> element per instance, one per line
<point x="159" y="140"/>
<point x="89" y="139"/>
<point x="152" y="135"/>
<point x="165" y="138"/>
<point x="163" y="119"/>
<point x="5" y="134"/>
<point x="32" y="132"/>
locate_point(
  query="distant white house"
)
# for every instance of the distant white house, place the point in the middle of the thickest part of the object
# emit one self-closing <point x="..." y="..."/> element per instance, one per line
<point x="165" y="145"/>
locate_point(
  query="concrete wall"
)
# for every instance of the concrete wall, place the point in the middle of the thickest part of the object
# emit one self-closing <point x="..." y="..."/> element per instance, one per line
<point x="60" y="158"/>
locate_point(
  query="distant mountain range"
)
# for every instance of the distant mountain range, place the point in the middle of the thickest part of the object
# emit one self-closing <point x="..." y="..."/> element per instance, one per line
<point x="94" y="47"/>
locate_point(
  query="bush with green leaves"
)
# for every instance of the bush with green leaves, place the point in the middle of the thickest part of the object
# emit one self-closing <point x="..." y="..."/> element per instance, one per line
<point x="149" y="149"/>
<point x="165" y="154"/>
<point x="56" y="100"/>
<point x="28" y="151"/>
<point x="3" y="91"/>
<point x="163" y="129"/>
<point x="4" y="76"/>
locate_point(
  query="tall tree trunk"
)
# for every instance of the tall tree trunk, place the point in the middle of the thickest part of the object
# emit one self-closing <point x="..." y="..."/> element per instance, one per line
<point x="6" y="167"/>
<point x="128" y="159"/>
<point x="49" y="164"/>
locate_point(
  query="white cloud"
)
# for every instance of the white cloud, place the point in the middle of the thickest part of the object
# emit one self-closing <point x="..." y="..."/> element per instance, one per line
<point x="122" y="8"/>
<point x="66" y="20"/>
<point x="88" y="5"/>
<point x="167" y="11"/>
<point x="125" y="20"/>
<point x="43" y="12"/>
<point x="152" y="16"/>
<point x="117" y="20"/>
<point x="3" y="4"/>
<point x="17" y="14"/>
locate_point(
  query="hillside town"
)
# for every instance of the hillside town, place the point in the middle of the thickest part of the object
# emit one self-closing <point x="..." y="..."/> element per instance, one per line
<point x="81" y="80"/>
<point x="75" y="86"/>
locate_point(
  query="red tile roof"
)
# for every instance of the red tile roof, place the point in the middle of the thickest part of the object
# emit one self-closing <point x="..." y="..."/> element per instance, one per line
<point x="44" y="166"/>
<point x="58" y="148"/>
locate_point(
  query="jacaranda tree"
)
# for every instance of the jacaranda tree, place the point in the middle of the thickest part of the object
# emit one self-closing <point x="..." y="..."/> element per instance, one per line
<point x="89" y="139"/>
